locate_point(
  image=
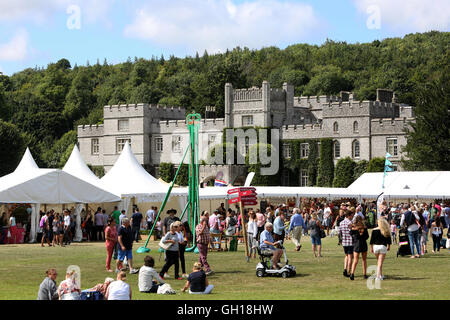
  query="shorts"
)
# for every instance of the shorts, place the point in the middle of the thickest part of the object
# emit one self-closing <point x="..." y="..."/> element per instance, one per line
<point x="348" y="249"/>
<point x="127" y="253"/>
<point x="379" y="248"/>
<point x="315" y="240"/>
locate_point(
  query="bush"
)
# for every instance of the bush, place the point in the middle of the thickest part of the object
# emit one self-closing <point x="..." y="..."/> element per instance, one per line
<point x="376" y="165"/>
<point x="345" y="169"/>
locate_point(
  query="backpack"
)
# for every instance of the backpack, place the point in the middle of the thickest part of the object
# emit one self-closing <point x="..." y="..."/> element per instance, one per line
<point x="232" y="222"/>
<point x="42" y="223"/>
<point x="410" y="219"/>
<point x="371" y="219"/>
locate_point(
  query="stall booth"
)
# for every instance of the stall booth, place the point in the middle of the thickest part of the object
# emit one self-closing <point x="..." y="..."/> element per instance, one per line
<point x="29" y="184"/>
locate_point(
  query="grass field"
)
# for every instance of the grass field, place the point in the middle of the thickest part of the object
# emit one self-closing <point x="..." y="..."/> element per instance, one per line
<point x="22" y="268"/>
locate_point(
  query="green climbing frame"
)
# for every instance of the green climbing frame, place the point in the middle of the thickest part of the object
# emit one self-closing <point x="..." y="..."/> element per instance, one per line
<point x="193" y="205"/>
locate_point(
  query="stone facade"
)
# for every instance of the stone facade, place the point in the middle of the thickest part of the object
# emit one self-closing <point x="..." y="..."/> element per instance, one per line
<point x="359" y="129"/>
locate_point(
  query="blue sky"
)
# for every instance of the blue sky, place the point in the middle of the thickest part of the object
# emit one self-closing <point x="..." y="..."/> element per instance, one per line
<point x="37" y="32"/>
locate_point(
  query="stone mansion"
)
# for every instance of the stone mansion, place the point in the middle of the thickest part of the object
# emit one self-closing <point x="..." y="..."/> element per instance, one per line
<point x="359" y="129"/>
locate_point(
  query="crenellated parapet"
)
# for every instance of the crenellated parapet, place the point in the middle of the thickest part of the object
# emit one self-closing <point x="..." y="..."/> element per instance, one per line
<point x="144" y="110"/>
<point x="172" y="125"/>
<point x="91" y="130"/>
<point x="390" y="125"/>
<point x="253" y="93"/>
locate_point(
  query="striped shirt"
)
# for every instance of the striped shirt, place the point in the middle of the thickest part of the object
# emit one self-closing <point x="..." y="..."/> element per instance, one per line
<point x="344" y="230"/>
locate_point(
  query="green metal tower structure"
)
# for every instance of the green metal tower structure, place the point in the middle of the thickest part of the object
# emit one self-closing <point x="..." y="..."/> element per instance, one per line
<point x="193" y="204"/>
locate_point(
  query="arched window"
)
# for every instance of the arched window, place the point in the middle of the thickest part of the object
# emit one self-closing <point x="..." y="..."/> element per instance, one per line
<point x="337" y="149"/>
<point x="335" y="127"/>
<point x="355" y="149"/>
<point x="355" y="126"/>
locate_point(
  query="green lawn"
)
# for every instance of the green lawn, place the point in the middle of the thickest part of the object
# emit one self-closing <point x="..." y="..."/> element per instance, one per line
<point x="22" y="268"/>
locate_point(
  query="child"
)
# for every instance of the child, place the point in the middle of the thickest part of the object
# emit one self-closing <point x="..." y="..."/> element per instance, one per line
<point x="158" y="228"/>
<point x="197" y="281"/>
<point x="394" y="231"/>
<point x="436" y="232"/>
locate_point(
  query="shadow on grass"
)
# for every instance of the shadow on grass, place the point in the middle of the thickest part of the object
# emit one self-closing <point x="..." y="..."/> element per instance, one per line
<point x="396" y="277"/>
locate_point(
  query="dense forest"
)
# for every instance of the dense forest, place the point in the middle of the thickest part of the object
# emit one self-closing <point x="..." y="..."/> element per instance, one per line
<point x="41" y="107"/>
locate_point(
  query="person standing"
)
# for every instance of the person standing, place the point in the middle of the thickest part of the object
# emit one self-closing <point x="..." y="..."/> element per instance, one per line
<point x="169" y="220"/>
<point x="393" y="231"/>
<point x="182" y="243"/>
<point x="172" y="254"/>
<point x="89" y="226"/>
<point x="411" y="219"/>
<point x="150" y="217"/>
<point x="122" y="216"/>
<point x="99" y="224"/>
<point x="252" y="233"/>
<point x="116" y="215"/>
<point x="261" y="221"/>
<point x="47" y="288"/>
<point x="327" y="217"/>
<point x="66" y="227"/>
<point x="436" y="233"/>
<point x="111" y="240"/>
<point x="202" y="241"/>
<point x="44" y="225"/>
<point x="360" y="235"/>
<point x="347" y="241"/>
<point x="136" y="220"/>
<point x="278" y="227"/>
<point x="125" y="239"/>
<point x="380" y="243"/>
<point x="315" y="226"/>
<point x="296" y="226"/>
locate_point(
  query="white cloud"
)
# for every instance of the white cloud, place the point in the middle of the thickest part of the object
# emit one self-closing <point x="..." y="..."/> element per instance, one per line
<point x="410" y="15"/>
<point x="220" y="24"/>
<point x="16" y="49"/>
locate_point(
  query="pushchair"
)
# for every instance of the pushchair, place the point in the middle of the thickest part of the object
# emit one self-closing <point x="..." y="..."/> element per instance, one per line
<point x="403" y="243"/>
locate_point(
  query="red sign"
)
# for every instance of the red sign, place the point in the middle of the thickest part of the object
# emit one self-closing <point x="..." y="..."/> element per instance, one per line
<point x="249" y="202"/>
<point x="241" y="189"/>
<point x="234" y="190"/>
<point x="248" y="198"/>
<point x="234" y="200"/>
<point x="247" y="193"/>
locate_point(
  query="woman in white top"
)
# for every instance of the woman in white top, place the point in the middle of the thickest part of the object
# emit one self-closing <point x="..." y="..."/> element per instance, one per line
<point x="252" y="231"/>
<point x="119" y="290"/>
<point x="149" y="277"/>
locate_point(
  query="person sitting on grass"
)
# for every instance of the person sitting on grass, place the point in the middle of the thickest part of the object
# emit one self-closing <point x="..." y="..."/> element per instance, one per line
<point x="149" y="277"/>
<point x="197" y="281"/>
<point x="101" y="287"/>
<point x="267" y="244"/>
<point x="119" y="289"/>
<point x="69" y="289"/>
<point x="47" y="289"/>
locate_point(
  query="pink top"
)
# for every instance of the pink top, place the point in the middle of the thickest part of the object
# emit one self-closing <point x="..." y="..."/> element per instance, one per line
<point x="213" y="220"/>
<point x="110" y="233"/>
<point x="393" y="228"/>
<point x="260" y="219"/>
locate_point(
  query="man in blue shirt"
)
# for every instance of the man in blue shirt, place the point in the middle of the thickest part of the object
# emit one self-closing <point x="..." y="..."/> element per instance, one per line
<point x="296" y="225"/>
<point x="266" y="243"/>
<point x="278" y="227"/>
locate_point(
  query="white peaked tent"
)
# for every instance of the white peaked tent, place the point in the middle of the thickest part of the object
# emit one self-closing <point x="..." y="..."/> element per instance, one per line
<point x="129" y="179"/>
<point x="30" y="184"/>
<point x="403" y="185"/>
<point x="76" y="166"/>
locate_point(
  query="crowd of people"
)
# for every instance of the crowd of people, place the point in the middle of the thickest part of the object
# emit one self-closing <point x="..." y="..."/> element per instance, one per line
<point x="350" y="223"/>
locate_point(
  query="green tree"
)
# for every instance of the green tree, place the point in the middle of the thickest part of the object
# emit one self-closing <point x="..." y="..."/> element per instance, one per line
<point x="58" y="154"/>
<point x="376" y="165"/>
<point x="80" y="98"/>
<point x="12" y="143"/>
<point x="325" y="173"/>
<point x="428" y="140"/>
<point x="344" y="172"/>
<point x="360" y="168"/>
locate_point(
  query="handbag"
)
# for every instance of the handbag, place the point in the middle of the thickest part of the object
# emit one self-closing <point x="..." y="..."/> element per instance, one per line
<point x="322" y="233"/>
<point x="163" y="245"/>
